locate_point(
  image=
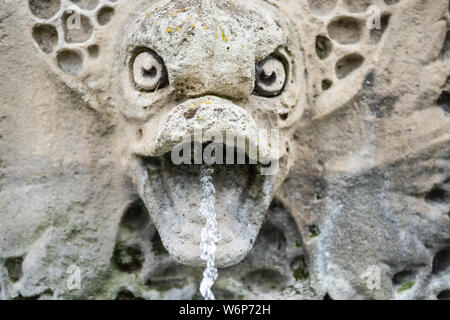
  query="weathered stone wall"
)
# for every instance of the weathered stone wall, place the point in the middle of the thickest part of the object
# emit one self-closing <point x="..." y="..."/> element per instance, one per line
<point x="359" y="210"/>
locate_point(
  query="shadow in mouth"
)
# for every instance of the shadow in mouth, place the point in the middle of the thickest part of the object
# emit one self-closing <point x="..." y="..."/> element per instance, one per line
<point x="187" y="162"/>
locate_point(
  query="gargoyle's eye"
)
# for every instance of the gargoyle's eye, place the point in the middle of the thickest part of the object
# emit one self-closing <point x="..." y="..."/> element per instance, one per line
<point x="270" y="77"/>
<point x="149" y="71"/>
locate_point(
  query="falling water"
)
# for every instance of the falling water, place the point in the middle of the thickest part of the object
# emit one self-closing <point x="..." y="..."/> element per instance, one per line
<point x="209" y="234"/>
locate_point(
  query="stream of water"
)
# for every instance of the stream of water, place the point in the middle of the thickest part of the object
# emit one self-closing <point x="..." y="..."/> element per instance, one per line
<point x="209" y="234"/>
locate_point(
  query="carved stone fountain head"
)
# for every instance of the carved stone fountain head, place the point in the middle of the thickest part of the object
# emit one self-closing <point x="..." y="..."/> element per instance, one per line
<point x="210" y="71"/>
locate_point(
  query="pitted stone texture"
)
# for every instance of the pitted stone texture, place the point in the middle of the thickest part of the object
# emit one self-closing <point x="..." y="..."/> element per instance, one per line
<point x="366" y="196"/>
<point x="208" y="119"/>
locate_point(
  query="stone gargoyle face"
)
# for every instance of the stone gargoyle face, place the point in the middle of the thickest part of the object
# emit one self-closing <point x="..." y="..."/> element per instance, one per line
<point x="359" y="106"/>
<point x="210" y="66"/>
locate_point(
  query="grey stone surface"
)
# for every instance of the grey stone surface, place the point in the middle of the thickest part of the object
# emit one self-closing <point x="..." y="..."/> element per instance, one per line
<point x="360" y="206"/>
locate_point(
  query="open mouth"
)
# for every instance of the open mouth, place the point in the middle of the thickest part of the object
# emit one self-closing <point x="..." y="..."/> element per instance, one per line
<point x="238" y="180"/>
<point x="172" y="193"/>
<point x="169" y="179"/>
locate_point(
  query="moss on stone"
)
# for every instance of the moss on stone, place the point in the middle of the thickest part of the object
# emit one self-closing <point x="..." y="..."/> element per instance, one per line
<point x="313" y="231"/>
<point x="301" y="273"/>
<point x="300" y="270"/>
<point x="406" y="286"/>
<point x="157" y="246"/>
<point x="128" y="259"/>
